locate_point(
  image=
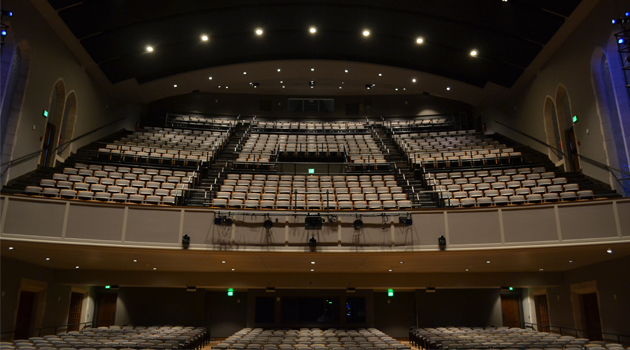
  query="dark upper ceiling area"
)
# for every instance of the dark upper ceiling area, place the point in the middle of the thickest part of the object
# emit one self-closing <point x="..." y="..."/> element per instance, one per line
<point x="507" y="34"/>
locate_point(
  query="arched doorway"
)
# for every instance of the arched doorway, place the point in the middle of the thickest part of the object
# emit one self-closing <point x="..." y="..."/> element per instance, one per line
<point x="551" y="129"/>
<point x="567" y="133"/>
<point x="67" y="125"/>
<point x="53" y="127"/>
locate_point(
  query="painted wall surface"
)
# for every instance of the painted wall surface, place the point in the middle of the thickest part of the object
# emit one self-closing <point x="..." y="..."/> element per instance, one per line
<point x="463" y="307"/>
<point x="249" y="105"/>
<point x="394" y="315"/>
<point x="57" y="301"/>
<point x="50" y="61"/>
<point x="157" y="306"/>
<point x="570" y="67"/>
<point x="225" y="315"/>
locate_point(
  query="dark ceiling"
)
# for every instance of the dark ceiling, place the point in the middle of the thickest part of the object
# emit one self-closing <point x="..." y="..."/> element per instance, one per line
<point x="507" y="34"/>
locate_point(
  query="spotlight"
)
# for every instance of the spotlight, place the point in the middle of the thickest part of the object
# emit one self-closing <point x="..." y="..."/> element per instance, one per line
<point x="620" y="41"/>
<point x="186" y="241"/>
<point x="442" y="242"/>
<point x="259" y="32"/>
<point x="357" y="224"/>
<point x="149" y="48"/>
<point x="204" y="38"/>
<point x="614" y="21"/>
<point x="473" y="53"/>
<point x="366" y="33"/>
<point x="312" y="30"/>
<point x="268" y="224"/>
<point x="255" y="85"/>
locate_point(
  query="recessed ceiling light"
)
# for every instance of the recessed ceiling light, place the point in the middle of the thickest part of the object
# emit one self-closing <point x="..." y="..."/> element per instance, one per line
<point x="244" y="72"/>
<point x="312" y="270"/>
<point x="473" y="53"/>
<point x="541" y="269"/>
<point x="396" y="89"/>
<point x="609" y="251"/>
<point x="467" y="270"/>
<point x="259" y="31"/>
<point x="204" y="38"/>
<point x="312" y="87"/>
<point x="346" y="71"/>
<point x="219" y="86"/>
<point x="312" y="69"/>
<point x="10" y="248"/>
<point x="405" y="89"/>
<point x="283" y="86"/>
<point x="76" y="267"/>
<point x="571" y="261"/>
<point x="340" y="87"/>
<point x="223" y="262"/>
<point x="366" y="33"/>
<point x="278" y="69"/>
<point x="155" y="268"/>
<point x="402" y="262"/>
<point x="47" y="259"/>
<point x="312" y="263"/>
<point x="134" y="260"/>
<point x="233" y="269"/>
<point x="390" y="270"/>
<point x="312" y="30"/>
<point x="419" y="40"/>
<point x="413" y="80"/>
<point x="448" y="88"/>
<point x="380" y="74"/>
<point x="174" y="85"/>
<point x="209" y="78"/>
<point x="226" y="86"/>
<point x="487" y="262"/>
<point x="281" y="81"/>
<point x="149" y="48"/>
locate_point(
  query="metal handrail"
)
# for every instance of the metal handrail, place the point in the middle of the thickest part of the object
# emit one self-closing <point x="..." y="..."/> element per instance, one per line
<point x="24" y="158"/>
<point x="39" y="330"/>
<point x="559" y="152"/>
<point x="578" y="333"/>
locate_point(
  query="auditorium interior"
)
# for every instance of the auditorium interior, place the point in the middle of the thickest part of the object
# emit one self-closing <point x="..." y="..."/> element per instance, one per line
<point x="326" y="175"/>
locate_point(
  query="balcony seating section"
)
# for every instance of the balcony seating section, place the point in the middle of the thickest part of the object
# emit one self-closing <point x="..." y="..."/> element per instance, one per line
<point x="166" y="145"/>
<point x="453" y="149"/>
<point x="199" y="122"/>
<point x="320" y="127"/>
<point x="502" y="187"/>
<point x="454" y="338"/>
<point x="117" y="337"/>
<point x="117" y="184"/>
<point x="343" y="192"/>
<point x="418" y="124"/>
<point x="310" y="338"/>
<point x="361" y="148"/>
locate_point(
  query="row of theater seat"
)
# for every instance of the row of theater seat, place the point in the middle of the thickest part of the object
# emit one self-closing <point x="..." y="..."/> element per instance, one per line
<point x="117" y="338"/>
<point x="200" y="122"/>
<point x="416" y="123"/>
<point x="311" y="192"/>
<point x="455" y="338"/>
<point x="307" y="338"/>
<point x="311" y="126"/>
<point x="117" y="184"/>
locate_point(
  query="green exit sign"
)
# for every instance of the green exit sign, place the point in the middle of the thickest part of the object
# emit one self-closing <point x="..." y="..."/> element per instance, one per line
<point x="311" y="171"/>
<point x="575" y="118"/>
<point x="45" y="113"/>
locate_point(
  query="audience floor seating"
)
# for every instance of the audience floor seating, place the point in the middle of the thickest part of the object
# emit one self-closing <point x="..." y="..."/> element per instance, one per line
<point x="117" y="338"/>
<point x="453" y="338"/>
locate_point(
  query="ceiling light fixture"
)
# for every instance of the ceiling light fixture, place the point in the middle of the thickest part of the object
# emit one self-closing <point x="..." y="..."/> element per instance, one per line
<point x="419" y="40"/>
<point x="204" y="38"/>
<point x="259" y="31"/>
<point x="609" y="251"/>
<point x="312" y="30"/>
<point x="390" y="270"/>
<point x="312" y="69"/>
<point x="488" y="261"/>
<point x="149" y="48"/>
<point x="155" y="268"/>
<point x="223" y="262"/>
<point x="473" y="53"/>
<point x="174" y="85"/>
<point x="244" y="72"/>
<point x="312" y="270"/>
<point x="278" y="69"/>
<point x="312" y="263"/>
<point x="346" y="71"/>
<point x="10" y="248"/>
<point x="366" y="32"/>
<point x="134" y="260"/>
<point x="448" y="88"/>
<point x="47" y="259"/>
<point x="233" y="269"/>
<point x="209" y="78"/>
<point x="380" y="74"/>
<point x="76" y="267"/>
<point x="413" y="80"/>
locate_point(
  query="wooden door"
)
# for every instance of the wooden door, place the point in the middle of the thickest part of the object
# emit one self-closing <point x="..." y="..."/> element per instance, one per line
<point x="591" y="316"/>
<point x="542" y="312"/>
<point x="511" y="311"/>
<point x="106" y="312"/>
<point x="24" y="318"/>
<point x="573" y="151"/>
<point x="74" y="315"/>
<point x="47" y="146"/>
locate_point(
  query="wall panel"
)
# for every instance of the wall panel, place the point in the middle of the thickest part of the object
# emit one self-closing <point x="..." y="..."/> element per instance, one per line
<point x="107" y="224"/>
